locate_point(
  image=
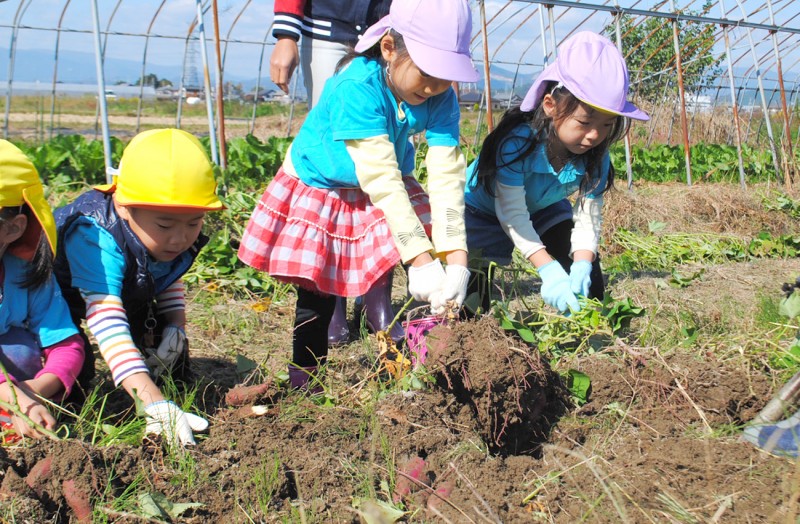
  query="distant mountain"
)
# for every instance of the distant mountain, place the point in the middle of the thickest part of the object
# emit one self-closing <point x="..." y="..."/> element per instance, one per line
<point x="32" y="65"/>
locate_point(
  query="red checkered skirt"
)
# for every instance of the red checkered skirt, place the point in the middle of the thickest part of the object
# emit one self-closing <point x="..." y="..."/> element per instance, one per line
<point x="330" y="241"/>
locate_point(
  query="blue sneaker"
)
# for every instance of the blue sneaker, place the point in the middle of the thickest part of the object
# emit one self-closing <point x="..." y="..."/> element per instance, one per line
<point x="780" y="439"/>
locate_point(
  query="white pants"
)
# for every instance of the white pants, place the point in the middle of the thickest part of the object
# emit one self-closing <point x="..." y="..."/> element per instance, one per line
<point x="318" y="58"/>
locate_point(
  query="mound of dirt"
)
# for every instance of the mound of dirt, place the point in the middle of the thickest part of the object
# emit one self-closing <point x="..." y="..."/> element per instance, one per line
<point x="511" y="393"/>
<point x="665" y="447"/>
<point x="701" y="208"/>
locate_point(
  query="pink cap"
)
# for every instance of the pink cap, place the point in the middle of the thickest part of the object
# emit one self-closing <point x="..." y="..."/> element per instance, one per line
<point x="591" y="67"/>
<point x="436" y="33"/>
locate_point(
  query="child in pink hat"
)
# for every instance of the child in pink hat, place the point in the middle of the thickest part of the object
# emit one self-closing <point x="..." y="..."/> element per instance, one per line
<point x="339" y="214"/>
<point x="554" y="145"/>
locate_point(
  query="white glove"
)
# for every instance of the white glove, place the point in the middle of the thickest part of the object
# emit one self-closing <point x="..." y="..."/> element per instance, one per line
<point x="165" y="417"/>
<point x="423" y="281"/>
<point x="454" y="290"/>
<point x="173" y="345"/>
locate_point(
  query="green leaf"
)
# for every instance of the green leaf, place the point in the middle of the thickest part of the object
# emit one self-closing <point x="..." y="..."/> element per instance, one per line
<point x="579" y="385"/>
<point x="156" y="505"/>
<point x="473" y="302"/>
<point x="787" y="359"/>
<point x="790" y="306"/>
<point x="245" y="365"/>
<point x="526" y="335"/>
<point x="377" y="512"/>
<point x="149" y="507"/>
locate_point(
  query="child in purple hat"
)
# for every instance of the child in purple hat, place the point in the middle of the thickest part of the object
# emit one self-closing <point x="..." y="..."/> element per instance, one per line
<point x="554" y="145"/>
<point x="339" y="214"/>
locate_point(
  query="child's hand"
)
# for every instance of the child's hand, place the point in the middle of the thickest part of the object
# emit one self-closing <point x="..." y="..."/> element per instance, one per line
<point x="36" y="412"/>
<point x="173" y="345"/>
<point x="165" y="417"/>
<point x="425" y="280"/>
<point x="580" y="277"/>
<point x="556" y="287"/>
<point x="454" y="290"/>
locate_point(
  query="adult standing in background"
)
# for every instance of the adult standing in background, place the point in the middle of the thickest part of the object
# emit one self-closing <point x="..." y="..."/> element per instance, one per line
<point x="329" y="28"/>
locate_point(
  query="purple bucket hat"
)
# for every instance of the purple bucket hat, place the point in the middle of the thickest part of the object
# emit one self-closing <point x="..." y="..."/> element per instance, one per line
<point x="591" y="67"/>
<point x="436" y="33"/>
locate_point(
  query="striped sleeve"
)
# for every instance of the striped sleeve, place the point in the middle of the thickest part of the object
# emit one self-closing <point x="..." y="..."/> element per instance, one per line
<point x="171" y="299"/>
<point x="288" y="20"/>
<point x="108" y="323"/>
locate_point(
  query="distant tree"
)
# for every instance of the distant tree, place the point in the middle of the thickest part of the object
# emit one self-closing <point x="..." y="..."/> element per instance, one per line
<point x="231" y="90"/>
<point x="650" y="54"/>
<point x="152" y="79"/>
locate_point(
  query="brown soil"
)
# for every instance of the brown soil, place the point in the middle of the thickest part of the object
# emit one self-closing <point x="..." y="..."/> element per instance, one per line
<point x="493" y="437"/>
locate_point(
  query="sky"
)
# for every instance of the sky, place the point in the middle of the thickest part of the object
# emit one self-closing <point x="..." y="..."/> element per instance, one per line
<point x="513" y="32"/>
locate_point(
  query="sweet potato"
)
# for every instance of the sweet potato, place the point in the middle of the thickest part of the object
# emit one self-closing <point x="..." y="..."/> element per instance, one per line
<point x="441" y="494"/>
<point x="408" y="478"/>
<point x="244" y="395"/>
<point x="77" y="500"/>
<point x="39" y="473"/>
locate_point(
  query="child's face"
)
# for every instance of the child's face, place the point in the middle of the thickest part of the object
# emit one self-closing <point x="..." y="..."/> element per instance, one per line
<point x="165" y="234"/>
<point x="11" y="229"/>
<point x="407" y="82"/>
<point x="584" y="129"/>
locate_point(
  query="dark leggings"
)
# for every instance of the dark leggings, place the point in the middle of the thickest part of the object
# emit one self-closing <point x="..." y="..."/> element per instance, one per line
<point x="313" y="313"/>
<point x="558" y="244"/>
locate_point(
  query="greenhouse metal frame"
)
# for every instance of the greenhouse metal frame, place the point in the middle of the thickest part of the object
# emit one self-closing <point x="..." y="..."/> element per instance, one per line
<point x="755" y="46"/>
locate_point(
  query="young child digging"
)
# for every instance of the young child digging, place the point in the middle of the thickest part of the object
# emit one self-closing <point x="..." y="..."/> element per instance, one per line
<point x="339" y="214"/>
<point x="124" y="248"/>
<point x="40" y="350"/>
<point x="554" y="145"/>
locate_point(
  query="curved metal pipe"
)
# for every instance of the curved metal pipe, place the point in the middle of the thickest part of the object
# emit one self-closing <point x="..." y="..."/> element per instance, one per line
<point x="11" y="55"/>
<point x="101" y="93"/>
<point x="103" y="56"/>
<point x="207" y="84"/>
<point x="144" y="65"/>
<point x="55" y="68"/>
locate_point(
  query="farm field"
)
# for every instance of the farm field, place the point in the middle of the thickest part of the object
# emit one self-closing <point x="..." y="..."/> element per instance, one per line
<point x="491" y="430"/>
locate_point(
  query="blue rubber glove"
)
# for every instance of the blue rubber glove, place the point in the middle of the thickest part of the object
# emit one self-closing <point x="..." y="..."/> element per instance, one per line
<point x="580" y="277"/>
<point x="556" y="289"/>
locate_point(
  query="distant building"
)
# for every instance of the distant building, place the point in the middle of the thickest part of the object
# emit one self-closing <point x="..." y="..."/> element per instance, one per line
<point x="698" y="103"/>
<point x="262" y="96"/>
<point x="500" y="101"/>
<point x="62" y="89"/>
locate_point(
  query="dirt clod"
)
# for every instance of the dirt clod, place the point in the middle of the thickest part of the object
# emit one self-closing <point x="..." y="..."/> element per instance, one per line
<point x="512" y="393"/>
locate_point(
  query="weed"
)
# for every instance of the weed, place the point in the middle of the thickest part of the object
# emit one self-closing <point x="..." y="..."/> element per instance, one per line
<point x="267" y="482"/>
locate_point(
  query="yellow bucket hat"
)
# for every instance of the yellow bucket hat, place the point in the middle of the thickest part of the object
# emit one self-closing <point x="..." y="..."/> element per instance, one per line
<point x="20" y="184"/>
<point x="165" y="168"/>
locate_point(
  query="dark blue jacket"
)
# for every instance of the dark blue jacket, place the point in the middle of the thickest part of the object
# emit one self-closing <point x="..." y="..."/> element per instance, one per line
<point x="334" y="20"/>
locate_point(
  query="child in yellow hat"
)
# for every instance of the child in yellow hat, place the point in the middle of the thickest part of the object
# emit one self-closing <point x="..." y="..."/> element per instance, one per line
<point x="124" y="249"/>
<point x="40" y="350"/>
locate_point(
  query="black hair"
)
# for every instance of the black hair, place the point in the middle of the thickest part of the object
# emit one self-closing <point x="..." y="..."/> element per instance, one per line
<point x="40" y="268"/>
<point x="543" y="127"/>
<point x="374" y="52"/>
